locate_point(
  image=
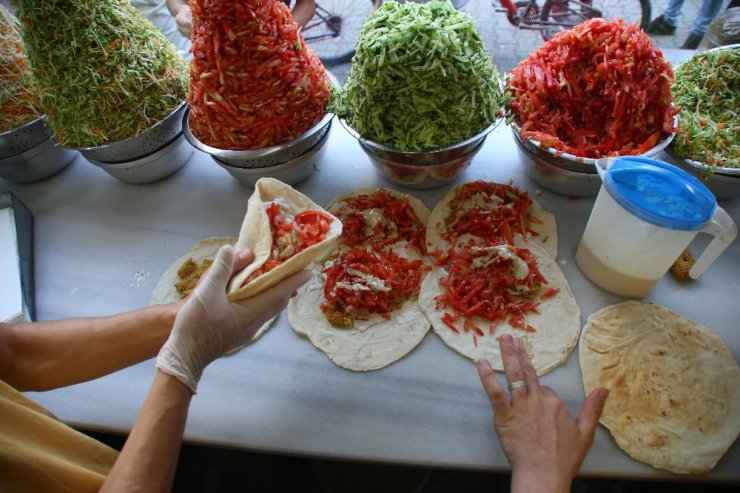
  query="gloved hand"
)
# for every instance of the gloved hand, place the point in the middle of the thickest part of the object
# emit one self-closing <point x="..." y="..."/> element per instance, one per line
<point x="209" y="325"/>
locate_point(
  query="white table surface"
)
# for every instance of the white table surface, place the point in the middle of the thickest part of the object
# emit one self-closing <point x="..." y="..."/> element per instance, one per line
<point x="101" y="246"/>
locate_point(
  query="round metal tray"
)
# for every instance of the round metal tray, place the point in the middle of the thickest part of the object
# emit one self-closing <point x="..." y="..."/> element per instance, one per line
<point x="20" y="139"/>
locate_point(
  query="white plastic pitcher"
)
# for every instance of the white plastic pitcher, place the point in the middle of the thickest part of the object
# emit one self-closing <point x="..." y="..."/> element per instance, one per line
<point x="646" y="214"/>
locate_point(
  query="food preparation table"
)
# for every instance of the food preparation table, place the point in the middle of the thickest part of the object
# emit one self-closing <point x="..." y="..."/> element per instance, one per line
<point x="101" y="246"/>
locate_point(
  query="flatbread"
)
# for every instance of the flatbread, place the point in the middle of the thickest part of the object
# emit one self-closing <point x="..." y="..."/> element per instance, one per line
<point x="255" y="235"/>
<point x="547" y="231"/>
<point x="421" y="210"/>
<point x="557" y="324"/>
<point x="674" y="399"/>
<point x="165" y="292"/>
<point x="371" y="344"/>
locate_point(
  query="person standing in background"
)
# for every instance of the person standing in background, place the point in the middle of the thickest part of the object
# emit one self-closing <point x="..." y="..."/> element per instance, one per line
<point x="158" y="13"/>
<point x="302" y="11"/>
<point x="665" y="24"/>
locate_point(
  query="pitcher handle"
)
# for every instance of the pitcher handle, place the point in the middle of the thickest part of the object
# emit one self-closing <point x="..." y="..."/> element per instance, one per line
<point x="724" y="230"/>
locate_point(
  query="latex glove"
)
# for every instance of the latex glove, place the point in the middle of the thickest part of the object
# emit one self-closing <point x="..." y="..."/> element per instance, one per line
<point x="184" y="20"/>
<point x="543" y="443"/>
<point x="209" y="325"/>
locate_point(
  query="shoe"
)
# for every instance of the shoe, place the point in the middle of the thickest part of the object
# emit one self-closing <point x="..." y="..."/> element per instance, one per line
<point x="660" y="27"/>
<point x="692" y="42"/>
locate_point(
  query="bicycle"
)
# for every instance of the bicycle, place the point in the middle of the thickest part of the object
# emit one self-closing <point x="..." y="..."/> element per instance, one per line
<point x="333" y="31"/>
<point x="557" y="15"/>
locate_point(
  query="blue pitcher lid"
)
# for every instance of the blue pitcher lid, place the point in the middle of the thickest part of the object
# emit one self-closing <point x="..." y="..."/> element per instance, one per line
<point x="660" y="193"/>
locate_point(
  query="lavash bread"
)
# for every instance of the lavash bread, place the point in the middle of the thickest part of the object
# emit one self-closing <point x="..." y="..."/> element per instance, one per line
<point x="165" y="292"/>
<point x="674" y="400"/>
<point x="373" y="343"/>
<point x="557" y="324"/>
<point x="547" y="231"/>
<point x="255" y="235"/>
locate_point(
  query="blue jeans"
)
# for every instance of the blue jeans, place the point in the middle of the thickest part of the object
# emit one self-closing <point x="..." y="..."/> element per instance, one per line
<point x="708" y="11"/>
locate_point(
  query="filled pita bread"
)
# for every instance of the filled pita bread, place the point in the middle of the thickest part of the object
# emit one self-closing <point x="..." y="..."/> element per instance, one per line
<point x="255" y="234"/>
<point x="542" y="223"/>
<point x="674" y="387"/>
<point x="166" y="292"/>
<point x="372" y="342"/>
<point x="556" y="323"/>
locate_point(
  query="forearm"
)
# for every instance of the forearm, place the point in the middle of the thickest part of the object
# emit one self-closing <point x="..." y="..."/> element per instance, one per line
<point x="46" y="355"/>
<point x="303" y="11"/>
<point x="175" y="6"/>
<point x="148" y="460"/>
<point x="529" y="480"/>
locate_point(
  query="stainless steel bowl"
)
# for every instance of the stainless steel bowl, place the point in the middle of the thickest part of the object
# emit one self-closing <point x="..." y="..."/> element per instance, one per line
<point x="724" y="183"/>
<point x="421" y="158"/>
<point x="21" y="139"/>
<point x="153" y="167"/>
<point x="291" y="172"/>
<point x="39" y="162"/>
<point x="539" y="165"/>
<point x="565" y="173"/>
<point x="150" y="140"/>
<point x="266" y="156"/>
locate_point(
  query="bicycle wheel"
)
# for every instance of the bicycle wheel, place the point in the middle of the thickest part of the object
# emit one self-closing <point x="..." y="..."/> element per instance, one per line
<point x="333" y="31"/>
<point x="564" y="14"/>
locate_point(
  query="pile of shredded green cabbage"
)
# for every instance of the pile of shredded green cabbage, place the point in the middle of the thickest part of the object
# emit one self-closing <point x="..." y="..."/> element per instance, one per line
<point x="706" y="90"/>
<point x="421" y="78"/>
<point x="103" y="73"/>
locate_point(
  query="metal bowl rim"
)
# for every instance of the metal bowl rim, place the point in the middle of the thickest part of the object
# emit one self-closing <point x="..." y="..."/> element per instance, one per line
<point x="35" y="121"/>
<point x="113" y="145"/>
<point x="427" y="167"/>
<point x="280" y="166"/>
<point x="699" y="166"/>
<point x="374" y="145"/>
<point x="592" y="161"/>
<point x="144" y="160"/>
<point x="250" y="153"/>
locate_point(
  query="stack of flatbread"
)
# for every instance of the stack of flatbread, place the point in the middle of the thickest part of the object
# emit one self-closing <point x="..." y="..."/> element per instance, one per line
<point x="674" y="399"/>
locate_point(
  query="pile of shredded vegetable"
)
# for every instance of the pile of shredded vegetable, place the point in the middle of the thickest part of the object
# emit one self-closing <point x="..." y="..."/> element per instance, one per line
<point x="600" y="89"/>
<point x="493" y="292"/>
<point x="19" y="103"/>
<point x="421" y="78"/>
<point x="706" y="91"/>
<point x="253" y="82"/>
<point x="103" y="72"/>
<point x="361" y="281"/>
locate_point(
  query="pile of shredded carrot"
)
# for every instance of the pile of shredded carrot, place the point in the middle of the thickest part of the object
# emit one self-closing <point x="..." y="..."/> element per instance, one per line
<point x="253" y="81"/>
<point x="600" y="89"/>
<point x="19" y="103"/>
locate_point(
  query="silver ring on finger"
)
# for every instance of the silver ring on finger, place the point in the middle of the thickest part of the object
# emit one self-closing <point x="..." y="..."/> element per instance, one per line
<point x="519" y="384"/>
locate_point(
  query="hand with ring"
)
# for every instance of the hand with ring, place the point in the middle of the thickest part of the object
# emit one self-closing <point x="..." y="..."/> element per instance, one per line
<point x="542" y="442"/>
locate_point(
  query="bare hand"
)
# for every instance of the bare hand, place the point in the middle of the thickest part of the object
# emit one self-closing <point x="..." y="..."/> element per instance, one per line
<point x="542" y="442"/>
<point x="184" y="20"/>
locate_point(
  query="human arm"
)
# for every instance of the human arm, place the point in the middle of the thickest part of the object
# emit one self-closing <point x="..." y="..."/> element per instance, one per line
<point x="542" y="442"/>
<point x="303" y="11"/>
<point x="207" y="327"/>
<point x="48" y="355"/>
<point x="180" y="10"/>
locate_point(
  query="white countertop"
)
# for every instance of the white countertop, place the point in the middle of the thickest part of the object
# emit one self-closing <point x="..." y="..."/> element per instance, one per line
<point x="101" y="246"/>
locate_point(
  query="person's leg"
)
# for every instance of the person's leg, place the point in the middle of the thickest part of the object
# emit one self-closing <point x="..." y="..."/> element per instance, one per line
<point x="672" y="13"/>
<point x="665" y="24"/>
<point x="709" y="10"/>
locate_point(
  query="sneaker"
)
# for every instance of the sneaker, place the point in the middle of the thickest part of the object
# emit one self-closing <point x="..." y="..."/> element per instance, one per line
<point x="660" y="27"/>
<point x="692" y="42"/>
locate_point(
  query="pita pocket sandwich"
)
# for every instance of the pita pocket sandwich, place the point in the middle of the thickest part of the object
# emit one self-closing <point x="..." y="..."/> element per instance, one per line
<point x="285" y="230"/>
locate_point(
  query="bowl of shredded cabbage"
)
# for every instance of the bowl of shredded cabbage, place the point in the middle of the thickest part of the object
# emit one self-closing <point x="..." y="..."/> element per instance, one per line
<point x="707" y="143"/>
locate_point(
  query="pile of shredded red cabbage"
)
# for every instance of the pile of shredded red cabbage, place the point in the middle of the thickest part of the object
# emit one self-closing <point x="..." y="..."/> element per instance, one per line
<point x="600" y="89"/>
